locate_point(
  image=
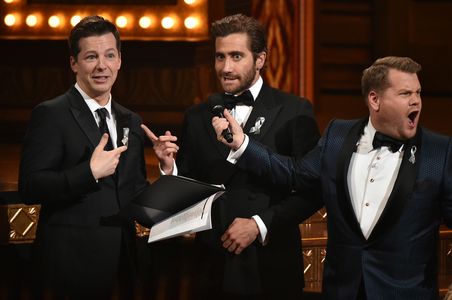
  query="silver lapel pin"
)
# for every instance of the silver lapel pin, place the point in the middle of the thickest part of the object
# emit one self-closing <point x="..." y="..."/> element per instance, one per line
<point x="125" y="136"/>
<point x="412" y="158"/>
<point x="256" y="129"/>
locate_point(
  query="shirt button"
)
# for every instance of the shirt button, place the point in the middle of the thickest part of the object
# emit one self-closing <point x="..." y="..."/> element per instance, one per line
<point x="367" y="204"/>
<point x="372" y="180"/>
<point x="378" y="157"/>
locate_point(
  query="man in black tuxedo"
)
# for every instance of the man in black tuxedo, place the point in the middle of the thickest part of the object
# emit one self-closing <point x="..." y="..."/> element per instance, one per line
<point x="283" y="122"/>
<point x="83" y="160"/>
<point x="385" y="182"/>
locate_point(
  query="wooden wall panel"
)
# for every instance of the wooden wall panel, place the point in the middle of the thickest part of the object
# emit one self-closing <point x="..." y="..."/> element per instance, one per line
<point x="343" y="49"/>
<point x="422" y="30"/>
<point x="281" y="21"/>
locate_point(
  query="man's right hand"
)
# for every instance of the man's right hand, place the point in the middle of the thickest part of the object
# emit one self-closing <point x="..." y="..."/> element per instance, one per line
<point x="164" y="148"/>
<point x="220" y="124"/>
<point x="103" y="163"/>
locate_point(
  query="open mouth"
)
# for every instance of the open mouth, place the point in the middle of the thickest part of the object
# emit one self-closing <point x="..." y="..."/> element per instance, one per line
<point x="412" y="117"/>
<point x="100" y="78"/>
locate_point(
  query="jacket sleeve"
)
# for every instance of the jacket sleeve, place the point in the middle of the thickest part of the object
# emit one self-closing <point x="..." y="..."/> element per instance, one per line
<point x="42" y="175"/>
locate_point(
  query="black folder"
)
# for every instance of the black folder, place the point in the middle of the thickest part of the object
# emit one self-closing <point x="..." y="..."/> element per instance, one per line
<point x="166" y="196"/>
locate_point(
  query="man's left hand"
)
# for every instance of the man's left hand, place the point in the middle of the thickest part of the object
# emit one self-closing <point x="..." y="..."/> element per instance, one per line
<point x="240" y="234"/>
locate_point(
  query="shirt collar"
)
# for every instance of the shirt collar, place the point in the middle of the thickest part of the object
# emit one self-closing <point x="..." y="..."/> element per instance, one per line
<point x="93" y="104"/>
<point x="256" y="87"/>
<point x="364" y="144"/>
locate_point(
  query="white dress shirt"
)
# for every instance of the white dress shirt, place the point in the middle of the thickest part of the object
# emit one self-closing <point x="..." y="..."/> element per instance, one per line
<point x="93" y="106"/>
<point x="371" y="177"/>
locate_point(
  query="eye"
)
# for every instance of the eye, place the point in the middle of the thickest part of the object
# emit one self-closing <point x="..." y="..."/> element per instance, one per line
<point x="219" y="57"/>
<point x="111" y="55"/>
<point x="91" y="57"/>
<point x="237" y="57"/>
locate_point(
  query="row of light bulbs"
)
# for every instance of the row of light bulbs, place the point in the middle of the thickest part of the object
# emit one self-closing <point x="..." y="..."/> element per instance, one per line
<point x="55" y="21"/>
<point x="189" y="2"/>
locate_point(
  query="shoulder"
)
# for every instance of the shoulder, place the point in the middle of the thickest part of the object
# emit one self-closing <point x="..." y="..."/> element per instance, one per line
<point x="200" y="109"/>
<point x="125" y="111"/>
<point x="290" y="103"/>
<point x="341" y="128"/>
<point x="58" y="103"/>
<point x="432" y="138"/>
<point x="284" y="97"/>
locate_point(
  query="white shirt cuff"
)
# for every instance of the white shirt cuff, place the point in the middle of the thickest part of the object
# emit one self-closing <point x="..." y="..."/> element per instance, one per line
<point x="234" y="155"/>
<point x="262" y="228"/>
<point x="174" y="169"/>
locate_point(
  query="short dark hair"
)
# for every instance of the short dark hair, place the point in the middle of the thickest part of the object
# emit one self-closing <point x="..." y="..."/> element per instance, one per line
<point x="91" y="26"/>
<point x="375" y="77"/>
<point x="240" y="23"/>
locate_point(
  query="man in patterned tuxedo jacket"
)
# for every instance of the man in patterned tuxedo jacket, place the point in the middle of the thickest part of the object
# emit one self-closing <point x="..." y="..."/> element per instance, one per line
<point x="385" y="182"/>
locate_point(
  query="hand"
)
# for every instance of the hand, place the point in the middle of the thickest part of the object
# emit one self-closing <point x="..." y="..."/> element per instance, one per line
<point x="164" y="148"/>
<point x="220" y="124"/>
<point x="240" y="234"/>
<point x="103" y="163"/>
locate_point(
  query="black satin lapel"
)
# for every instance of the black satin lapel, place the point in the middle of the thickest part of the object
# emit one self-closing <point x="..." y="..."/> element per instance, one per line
<point x="264" y="107"/>
<point x="122" y="121"/>
<point x="343" y="194"/>
<point x="403" y="186"/>
<point x="84" y="117"/>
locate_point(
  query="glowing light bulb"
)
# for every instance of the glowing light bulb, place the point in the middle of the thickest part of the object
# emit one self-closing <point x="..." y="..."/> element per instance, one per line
<point x="189" y="2"/>
<point x="145" y="22"/>
<point x="191" y="22"/>
<point x="9" y="1"/>
<point x="121" y="21"/>
<point x="168" y="22"/>
<point x="54" y="21"/>
<point x="75" y="19"/>
<point x="31" y="20"/>
<point x="10" y="20"/>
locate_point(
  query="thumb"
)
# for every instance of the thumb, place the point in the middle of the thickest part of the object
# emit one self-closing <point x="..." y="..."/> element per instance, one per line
<point x="103" y="141"/>
<point x="235" y="127"/>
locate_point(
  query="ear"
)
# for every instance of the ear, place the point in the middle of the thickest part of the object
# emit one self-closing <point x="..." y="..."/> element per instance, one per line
<point x="373" y="101"/>
<point x="260" y="60"/>
<point x="73" y="64"/>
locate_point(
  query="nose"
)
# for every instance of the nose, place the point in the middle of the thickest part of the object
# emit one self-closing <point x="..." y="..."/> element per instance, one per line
<point x="228" y="65"/>
<point x="415" y="99"/>
<point x="101" y="63"/>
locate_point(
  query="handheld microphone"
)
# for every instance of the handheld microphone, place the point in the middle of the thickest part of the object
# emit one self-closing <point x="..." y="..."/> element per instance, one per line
<point x="218" y="111"/>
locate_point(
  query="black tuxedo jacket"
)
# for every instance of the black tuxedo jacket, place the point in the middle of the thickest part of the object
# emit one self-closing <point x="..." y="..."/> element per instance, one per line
<point x="289" y="128"/>
<point x="399" y="259"/>
<point x="78" y="240"/>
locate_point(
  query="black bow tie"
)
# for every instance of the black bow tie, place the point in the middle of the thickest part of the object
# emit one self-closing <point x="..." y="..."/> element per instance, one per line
<point x="381" y="140"/>
<point x="245" y="98"/>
